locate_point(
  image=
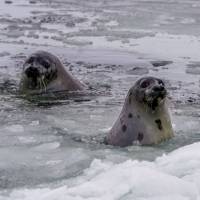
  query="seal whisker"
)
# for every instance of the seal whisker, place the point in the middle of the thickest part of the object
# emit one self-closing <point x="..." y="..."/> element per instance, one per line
<point x="40" y="83"/>
<point x="43" y="82"/>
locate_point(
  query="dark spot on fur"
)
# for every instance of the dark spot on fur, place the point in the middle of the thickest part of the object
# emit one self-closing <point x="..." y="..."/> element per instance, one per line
<point x="140" y="137"/>
<point x="138" y="116"/>
<point x="130" y="115"/>
<point x="124" y="128"/>
<point x="159" y="124"/>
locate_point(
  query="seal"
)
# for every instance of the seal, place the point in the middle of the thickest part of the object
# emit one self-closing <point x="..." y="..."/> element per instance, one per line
<point x="144" y="118"/>
<point x="43" y="72"/>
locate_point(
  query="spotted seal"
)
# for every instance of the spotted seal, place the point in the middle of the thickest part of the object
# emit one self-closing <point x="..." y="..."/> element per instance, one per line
<point x="144" y="118"/>
<point x="43" y="72"/>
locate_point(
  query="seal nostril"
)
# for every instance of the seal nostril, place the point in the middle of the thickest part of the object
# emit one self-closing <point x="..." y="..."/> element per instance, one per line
<point x="158" y="88"/>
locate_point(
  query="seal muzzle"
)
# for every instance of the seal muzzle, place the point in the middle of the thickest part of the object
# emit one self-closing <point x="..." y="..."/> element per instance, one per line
<point x="150" y="91"/>
<point x="158" y="91"/>
<point x="32" y="72"/>
<point x="155" y="95"/>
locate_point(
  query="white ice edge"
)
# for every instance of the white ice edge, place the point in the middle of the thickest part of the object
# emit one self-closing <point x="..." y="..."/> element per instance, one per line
<point x="175" y="176"/>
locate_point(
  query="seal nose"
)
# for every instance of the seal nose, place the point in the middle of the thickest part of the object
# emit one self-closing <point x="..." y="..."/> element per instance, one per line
<point x="159" y="88"/>
<point x="32" y="72"/>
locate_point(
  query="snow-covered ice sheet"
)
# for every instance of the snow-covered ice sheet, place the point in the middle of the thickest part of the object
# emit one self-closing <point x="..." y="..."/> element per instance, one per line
<point x="172" y="176"/>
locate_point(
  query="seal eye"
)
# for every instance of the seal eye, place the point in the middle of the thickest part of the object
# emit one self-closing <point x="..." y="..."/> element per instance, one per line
<point x="45" y="64"/>
<point x="145" y="84"/>
<point x="160" y="82"/>
<point x="30" y="60"/>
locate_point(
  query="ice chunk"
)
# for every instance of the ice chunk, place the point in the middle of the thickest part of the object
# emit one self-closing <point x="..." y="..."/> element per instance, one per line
<point x="173" y="176"/>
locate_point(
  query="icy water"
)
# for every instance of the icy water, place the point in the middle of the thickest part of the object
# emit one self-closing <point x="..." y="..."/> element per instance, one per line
<point x="52" y="150"/>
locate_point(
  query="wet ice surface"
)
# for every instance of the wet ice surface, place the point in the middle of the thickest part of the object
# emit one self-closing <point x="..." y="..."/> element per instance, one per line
<point x="53" y="151"/>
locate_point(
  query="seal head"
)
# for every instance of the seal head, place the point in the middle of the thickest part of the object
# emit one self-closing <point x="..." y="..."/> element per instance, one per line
<point x="43" y="72"/>
<point x="144" y="118"/>
<point x="150" y="91"/>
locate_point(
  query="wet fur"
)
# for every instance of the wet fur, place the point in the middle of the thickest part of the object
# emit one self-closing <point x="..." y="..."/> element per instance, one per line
<point x="143" y="120"/>
<point x="52" y="78"/>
